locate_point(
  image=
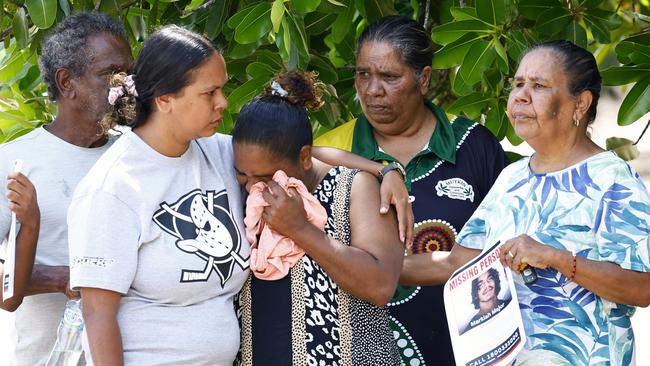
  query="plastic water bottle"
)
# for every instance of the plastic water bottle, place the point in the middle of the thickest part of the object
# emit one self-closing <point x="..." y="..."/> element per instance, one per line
<point x="67" y="349"/>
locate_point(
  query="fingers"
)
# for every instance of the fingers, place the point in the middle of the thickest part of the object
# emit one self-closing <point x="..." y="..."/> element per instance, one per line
<point x="405" y="220"/>
<point x="21" y="197"/>
<point x="385" y="198"/>
<point x="70" y="293"/>
<point x="410" y="227"/>
<point x="510" y="255"/>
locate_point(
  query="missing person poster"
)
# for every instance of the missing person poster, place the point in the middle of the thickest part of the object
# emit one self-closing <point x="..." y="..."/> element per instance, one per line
<point x="483" y="312"/>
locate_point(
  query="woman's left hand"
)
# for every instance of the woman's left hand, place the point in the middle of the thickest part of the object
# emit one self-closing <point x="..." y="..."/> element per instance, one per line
<point x="524" y="249"/>
<point x="393" y="192"/>
<point x="285" y="213"/>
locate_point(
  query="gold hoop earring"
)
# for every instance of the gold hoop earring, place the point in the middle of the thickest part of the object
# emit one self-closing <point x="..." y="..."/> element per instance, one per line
<point x="576" y="121"/>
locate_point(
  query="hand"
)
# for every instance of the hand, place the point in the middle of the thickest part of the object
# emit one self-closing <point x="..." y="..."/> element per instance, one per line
<point x="21" y="196"/>
<point x="524" y="249"/>
<point x="285" y="213"/>
<point x="70" y="293"/>
<point x="62" y="276"/>
<point x="393" y="192"/>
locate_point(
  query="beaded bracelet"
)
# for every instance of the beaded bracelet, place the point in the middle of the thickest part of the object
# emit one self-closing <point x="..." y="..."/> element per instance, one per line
<point x="573" y="268"/>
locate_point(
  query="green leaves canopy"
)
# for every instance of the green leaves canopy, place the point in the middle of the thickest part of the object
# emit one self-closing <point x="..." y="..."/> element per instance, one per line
<point x="479" y="43"/>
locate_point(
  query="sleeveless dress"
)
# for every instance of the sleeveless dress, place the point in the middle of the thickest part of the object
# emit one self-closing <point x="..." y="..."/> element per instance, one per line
<point x="305" y="318"/>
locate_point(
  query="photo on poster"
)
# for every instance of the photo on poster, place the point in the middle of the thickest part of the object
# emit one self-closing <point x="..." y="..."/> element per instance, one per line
<point x="483" y="313"/>
<point x="485" y="296"/>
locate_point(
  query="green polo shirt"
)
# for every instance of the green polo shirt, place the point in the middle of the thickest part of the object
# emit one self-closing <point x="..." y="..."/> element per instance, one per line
<point x="361" y="141"/>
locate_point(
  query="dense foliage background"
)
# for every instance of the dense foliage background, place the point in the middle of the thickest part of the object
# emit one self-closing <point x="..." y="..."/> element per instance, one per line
<point x="479" y="42"/>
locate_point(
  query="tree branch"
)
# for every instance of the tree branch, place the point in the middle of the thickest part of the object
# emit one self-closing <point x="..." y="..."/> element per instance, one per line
<point x="6" y="32"/>
<point x="427" y="9"/>
<point x="642" y="132"/>
<point x="205" y="5"/>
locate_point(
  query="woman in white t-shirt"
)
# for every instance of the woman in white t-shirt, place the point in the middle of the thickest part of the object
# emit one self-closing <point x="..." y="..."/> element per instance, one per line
<point x="156" y="240"/>
<point x="156" y="237"/>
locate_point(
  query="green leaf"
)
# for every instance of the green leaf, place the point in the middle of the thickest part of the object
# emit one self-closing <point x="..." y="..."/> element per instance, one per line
<point x="255" y="24"/>
<point x="477" y="61"/>
<point x="453" y="53"/>
<point x="260" y="70"/>
<point x="532" y="9"/>
<point x="494" y="80"/>
<point x="42" y="12"/>
<point x="624" y="74"/>
<point x="245" y="92"/>
<point x="512" y="135"/>
<point x="636" y="103"/>
<point x="270" y="58"/>
<point x="458" y="85"/>
<point x="502" y="60"/>
<point x="20" y="28"/>
<point x="491" y="11"/>
<point x="598" y="30"/>
<point x="516" y="44"/>
<point x="576" y="34"/>
<point x="317" y="23"/>
<point x="305" y="6"/>
<point x="293" y="46"/>
<point x="15" y="66"/>
<point x="470" y="105"/>
<point x="641" y="54"/>
<point x="238" y="51"/>
<point x="65" y="7"/>
<point x="553" y="20"/>
<point x="234" y="21"/>
<point x="623" y="147"/>
<point x="325" y="69"/>
<point x="227" y="123"/>
<point x="464" y="13"/>
<point x="216" y="19"/>
<point x="277" y="12"/>
<point x="343" y="23"/>
<point x="590" y="3"/>
<point x="375" y="9"/>
<point x="625" y="48"/>
<point x="193" y="5"/>
<point x="609" y="18"/>
<point x="497" y="121"/>
<point x="447" y="33"/>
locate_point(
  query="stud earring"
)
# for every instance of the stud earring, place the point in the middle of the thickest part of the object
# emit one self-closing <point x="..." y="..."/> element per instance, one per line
<point x="576" y="121"/>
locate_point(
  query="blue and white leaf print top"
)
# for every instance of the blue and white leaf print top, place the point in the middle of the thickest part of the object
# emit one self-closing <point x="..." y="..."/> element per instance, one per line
<point x="598" y="209"/>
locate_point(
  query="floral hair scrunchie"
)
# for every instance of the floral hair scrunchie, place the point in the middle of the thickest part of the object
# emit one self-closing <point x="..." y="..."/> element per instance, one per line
<point x="127" y="88"/>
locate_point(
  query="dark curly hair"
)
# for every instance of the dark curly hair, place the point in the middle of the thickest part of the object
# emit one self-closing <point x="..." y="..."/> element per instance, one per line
<point x="66" y="46"/>
<point x="492" y="272"/>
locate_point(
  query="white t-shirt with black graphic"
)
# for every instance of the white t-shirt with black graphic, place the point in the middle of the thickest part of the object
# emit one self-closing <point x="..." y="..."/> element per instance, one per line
<point x="168" y="234"/>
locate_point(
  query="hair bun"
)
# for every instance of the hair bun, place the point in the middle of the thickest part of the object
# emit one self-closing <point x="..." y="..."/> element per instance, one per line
<point x="297" y="87"/>
<point x="122" y="111"/>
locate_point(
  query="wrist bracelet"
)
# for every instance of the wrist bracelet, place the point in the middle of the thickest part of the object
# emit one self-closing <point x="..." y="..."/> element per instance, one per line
<point x="573" y="268"/>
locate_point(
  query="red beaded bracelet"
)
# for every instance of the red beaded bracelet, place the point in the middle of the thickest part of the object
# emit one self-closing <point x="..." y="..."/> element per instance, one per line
<point x="573" y="268"/>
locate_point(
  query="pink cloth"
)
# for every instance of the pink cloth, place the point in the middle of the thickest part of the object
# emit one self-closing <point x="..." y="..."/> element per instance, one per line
<point x="275" y="254"/>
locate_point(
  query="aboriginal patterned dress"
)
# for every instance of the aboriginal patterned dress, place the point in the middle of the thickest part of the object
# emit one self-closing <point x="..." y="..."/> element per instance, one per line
<point x="598" y="209"/>
<point x="305" y="319"/>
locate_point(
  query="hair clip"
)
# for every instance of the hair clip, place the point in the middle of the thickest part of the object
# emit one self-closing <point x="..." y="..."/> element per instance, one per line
<point x="127" y="87"/>
<point x="277" y="89"/>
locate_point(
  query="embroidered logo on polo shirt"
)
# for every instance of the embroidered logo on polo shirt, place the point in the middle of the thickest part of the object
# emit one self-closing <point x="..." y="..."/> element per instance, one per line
<point x="455" y="188"/>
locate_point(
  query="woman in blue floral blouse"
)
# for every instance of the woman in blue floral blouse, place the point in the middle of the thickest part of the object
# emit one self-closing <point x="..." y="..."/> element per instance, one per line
<point x="577" y="213"/>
